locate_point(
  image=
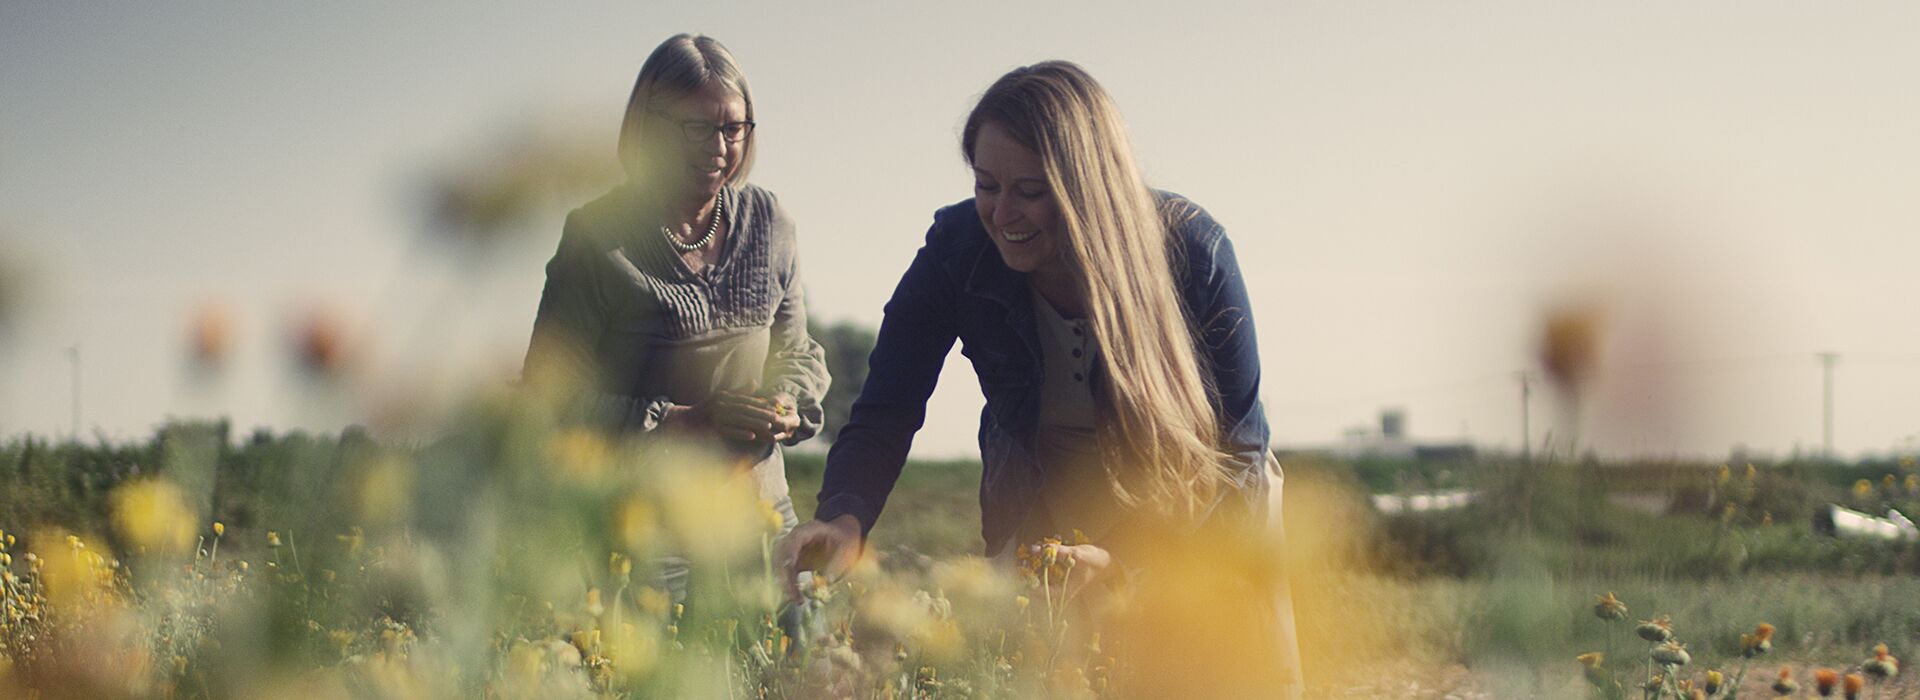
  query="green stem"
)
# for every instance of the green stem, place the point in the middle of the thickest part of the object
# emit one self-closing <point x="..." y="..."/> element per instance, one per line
<point x="1645" y="691"/>
<point x="1733" y="691"/>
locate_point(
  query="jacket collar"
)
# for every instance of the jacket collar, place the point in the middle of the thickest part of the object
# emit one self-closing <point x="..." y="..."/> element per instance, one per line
<point x="992" y="280"/>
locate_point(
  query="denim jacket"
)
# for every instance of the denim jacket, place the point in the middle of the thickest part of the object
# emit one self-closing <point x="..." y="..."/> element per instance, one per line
<point x="959" y="288"/>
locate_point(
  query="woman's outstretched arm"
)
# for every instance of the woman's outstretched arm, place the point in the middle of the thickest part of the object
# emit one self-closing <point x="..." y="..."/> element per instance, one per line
<point x="915" y="336"/>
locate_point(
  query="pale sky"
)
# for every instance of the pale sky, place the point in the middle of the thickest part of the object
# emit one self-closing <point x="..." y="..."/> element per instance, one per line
<point x="1409" y="185"/>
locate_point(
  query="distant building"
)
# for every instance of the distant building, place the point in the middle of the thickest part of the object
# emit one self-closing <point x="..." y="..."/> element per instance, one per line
<point x="1391" y="441"/>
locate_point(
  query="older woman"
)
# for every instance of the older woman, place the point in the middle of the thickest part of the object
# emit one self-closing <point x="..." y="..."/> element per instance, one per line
<point x="674" y="302"/>
<point x="1111" y="332"/>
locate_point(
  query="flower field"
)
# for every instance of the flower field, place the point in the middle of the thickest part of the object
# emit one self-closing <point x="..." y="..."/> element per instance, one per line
<point x="516" y="559"/>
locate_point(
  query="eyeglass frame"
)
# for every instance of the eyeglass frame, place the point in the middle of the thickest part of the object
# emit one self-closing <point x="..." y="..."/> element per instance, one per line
<point x="698" y="130"/>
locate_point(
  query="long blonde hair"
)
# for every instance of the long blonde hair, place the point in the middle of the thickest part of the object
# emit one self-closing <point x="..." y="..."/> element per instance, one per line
<point x="1157" y="411"/>
<point x="681" y="66"/>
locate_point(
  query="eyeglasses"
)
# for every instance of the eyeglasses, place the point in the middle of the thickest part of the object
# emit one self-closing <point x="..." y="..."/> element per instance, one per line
<point x="697" y="131"/>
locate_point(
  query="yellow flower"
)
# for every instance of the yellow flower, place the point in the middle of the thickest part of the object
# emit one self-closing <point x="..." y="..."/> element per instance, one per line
<point x="1594" y="673"/>
<point x="1913" y="488"/>
<point x="153" y="514"/>
<point x="219" y="529"/>
<point x="775" y="521"/>
<point x="1713" y="682"/>
<point x="273" y="538"/>
<point x="636" y="524"/>
<point x="654" y="601"/>
<point x="1862" y="488"/>
<point x="1723" y="475"/>
<point x="581" y="455"/>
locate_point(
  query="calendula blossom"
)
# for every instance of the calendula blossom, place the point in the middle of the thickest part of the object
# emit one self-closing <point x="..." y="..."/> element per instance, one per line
<point x="1785" y="685"/>
<point x="1672" y="654"/>
<point x="1824" y="680"/>
<point x="1658" y="629"/>
<point x="1757" y="643"/>
<point x="1883" y="665"/>
<point x="1610" y="608"/>
<point x="1852" y="684"/>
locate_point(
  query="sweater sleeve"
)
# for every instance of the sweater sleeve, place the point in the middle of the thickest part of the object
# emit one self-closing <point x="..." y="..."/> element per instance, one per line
<point x="796" y="363"/>
<point x="571" y="318"/>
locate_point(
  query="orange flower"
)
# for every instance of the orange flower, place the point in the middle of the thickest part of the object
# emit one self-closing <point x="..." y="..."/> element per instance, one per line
<point x="1610" y="608"/>
<point x="1760" y="642"/>
<point x="1786" y="686"/>
<point x="1883" y="665"/>
<point x="1852" y="685"/>
<point x="1824" y="679"/>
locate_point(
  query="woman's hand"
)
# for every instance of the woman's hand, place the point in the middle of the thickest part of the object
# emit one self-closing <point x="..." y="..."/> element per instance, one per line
<point x="741" y="417"/>
<point x="825" y="547"/>
<point x="1086" y="564"/>
<point x="750" y="418"/>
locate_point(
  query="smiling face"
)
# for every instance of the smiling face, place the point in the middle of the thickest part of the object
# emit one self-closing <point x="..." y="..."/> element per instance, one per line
<point x="1018" y="208"/>
<point x="702" y="167"/>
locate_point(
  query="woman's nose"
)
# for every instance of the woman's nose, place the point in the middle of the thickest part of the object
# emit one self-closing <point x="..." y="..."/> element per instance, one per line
<point x="1003" y="214"/>
<point x="715" y="144"/>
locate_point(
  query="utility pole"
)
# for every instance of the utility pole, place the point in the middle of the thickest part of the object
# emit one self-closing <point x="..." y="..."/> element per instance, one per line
<point x="1827" y="361"/>
<point x="1526" y="413"/>
<point x="73" y="353"/>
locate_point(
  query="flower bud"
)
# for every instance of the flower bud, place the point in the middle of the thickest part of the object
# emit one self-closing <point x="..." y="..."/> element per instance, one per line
<point x="1671" y="654"/>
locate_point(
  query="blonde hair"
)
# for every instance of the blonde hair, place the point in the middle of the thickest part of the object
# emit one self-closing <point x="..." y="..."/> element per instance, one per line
<point x="1158" y="411"/>
<point x="681" y="66"/>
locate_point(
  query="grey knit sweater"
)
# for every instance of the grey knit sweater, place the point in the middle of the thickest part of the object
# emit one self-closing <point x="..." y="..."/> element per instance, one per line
<point x="644" y="332"/>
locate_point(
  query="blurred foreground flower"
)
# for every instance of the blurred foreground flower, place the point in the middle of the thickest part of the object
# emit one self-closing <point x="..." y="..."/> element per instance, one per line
<point x="510" y="188"/>
<point x="1569" y="348"/>
<point x="319" y="344"/>
<point x="210" y="336"/>
<point x="153" y="514"/>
